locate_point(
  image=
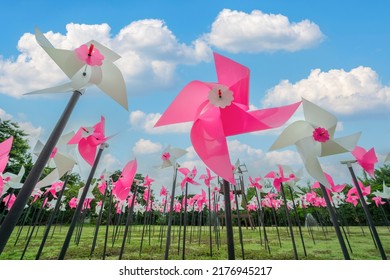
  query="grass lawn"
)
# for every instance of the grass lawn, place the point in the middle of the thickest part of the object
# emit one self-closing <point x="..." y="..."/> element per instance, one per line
<point x="322" y="245"/>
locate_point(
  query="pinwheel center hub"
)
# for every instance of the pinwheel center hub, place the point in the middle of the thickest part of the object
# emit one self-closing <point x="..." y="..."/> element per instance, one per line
<point x="320" y="134"/>
<point x="220" y="96"/>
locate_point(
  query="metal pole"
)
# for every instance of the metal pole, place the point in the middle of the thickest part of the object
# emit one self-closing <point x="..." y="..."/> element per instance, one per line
<point x="168" y="242"/>
<point x="81" y="202"/>
<point x="17" y="209"/>
<point x="366" y="211"/>
<point x="228" y="220"/>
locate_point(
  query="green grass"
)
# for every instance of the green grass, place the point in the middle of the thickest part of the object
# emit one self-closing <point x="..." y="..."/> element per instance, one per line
<point x="326" y="245"/>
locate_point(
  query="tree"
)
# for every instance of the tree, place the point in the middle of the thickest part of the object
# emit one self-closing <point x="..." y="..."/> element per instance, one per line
<point x="19" y="154"/>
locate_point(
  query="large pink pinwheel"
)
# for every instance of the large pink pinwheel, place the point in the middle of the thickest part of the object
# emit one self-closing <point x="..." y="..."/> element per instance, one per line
<point x="122" y="186"/>
<point x="189" y="176"/>
<point x="366" y="159"/>
<point x="220" y="109"/>
<point x="314" y="137"/>
<point x="88" y="139"/>
<point x="89" y="64"/>
<point x="207" y="177"/>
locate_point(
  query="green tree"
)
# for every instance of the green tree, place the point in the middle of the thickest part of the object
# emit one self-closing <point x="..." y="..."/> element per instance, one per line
<point x="19" y="154"/>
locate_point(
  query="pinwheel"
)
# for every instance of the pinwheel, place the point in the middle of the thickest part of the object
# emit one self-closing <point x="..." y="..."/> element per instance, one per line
<point x="207" y="177"/>
<point x="12" y="181"/>
<point x="54" y="188"/>
<point x="366" y="159"/>
<point x="189" y="176"/>
<point x="88" y="139"/>
<point x="123" y="185"/>
<point x="333" y="187"/>
<point x="9" y="200"/>
<point x="89" y="64"/>
<point x="385" y="194"/>
<point x="170" y="155"/>
<point x="313" y="138"/>
<point x="215" y="108"/>
<point x="278" y="178"/>
<point x="378" y="201"/>
<point x="5" y="148"/>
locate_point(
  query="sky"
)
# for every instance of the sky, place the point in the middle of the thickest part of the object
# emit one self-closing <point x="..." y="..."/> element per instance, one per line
<point x="333" y="53"/>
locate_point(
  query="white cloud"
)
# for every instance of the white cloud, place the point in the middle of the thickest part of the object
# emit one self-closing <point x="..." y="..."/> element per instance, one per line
<point x="146" y="122"/>
<point x="236" y="31"/>
<point x="343" y="92"/>
<point x="145" y="146"/>
<point x="110" y="163"/>
<point x="32" y="132"/>
<point x="149" y="50"/>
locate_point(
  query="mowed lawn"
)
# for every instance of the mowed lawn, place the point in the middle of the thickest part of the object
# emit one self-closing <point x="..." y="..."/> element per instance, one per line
<point x="322" y="244"/>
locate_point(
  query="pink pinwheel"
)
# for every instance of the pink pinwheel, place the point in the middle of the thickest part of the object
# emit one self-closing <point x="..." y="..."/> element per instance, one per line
<point x="378" y="201"/>
<point x="54" y="188"/>
<point x="365" y="190"/>
<point x="123" y="185"/>
<point x="220" y="109"/>
<point x="9" y="201"/>
<point x="189" y="176"/>
<point x="353" y="199"/>
<point x="102" y="187"/>
<point x="207" y="177"/>
<point x="278" y="178"/>
<point x="73" y="202"/>
<point x="88" y="139"/>
<point x="5" y="148"/>
<point x="202" y="199"/>
<point x="163" y="191"/>
<point x="313" y="138"/>
<point x="148" y="181"/>
<point x="333" y="186"/>
<point x="255" y="182"/>
<point x="366" y="159"/>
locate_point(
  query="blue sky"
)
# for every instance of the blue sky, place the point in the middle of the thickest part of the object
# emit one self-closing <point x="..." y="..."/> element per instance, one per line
<point x="334" y="53"/>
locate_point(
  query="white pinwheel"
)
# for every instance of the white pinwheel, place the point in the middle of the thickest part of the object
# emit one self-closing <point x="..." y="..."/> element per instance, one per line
<point x="170" y="155"/>
<point x="314" y="137"/>
<point x="90" y="64"/>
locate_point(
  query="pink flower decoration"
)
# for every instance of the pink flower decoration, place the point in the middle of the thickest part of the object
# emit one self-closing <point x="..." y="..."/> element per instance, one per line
<point x="320" y="134"/>
<point x="166" y="156"/>
<point x="90" y="55"/>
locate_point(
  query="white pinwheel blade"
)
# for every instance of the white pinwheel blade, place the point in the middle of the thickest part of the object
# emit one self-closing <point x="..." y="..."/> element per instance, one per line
<point x="66" y="59"/>
<point x="48" y="180"/>
<point x="106" y="52"/>
<point x="339" y="145"/>
<point x="307" y="150"/>
<point x="113" y="84"/>
<point x="291" y="134"/>
<point x="177" y="152"/>
<point x="63" y="164"/>
<point x="319" y="117"/>
<point x="57" y="89"/>
<point x="38" y="148"/>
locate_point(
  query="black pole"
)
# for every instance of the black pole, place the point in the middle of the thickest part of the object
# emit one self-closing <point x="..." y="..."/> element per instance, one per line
<point x="129" y="221"/>
<point x="17" y="209"/>
<point x="289" y="221"/>
<point x="210" y="220"/>
<point x="297" y="221"/>
<point x="81" y="203"/>
<point x="98" y="222"/>
<point x="168" y="242"/>
<point x="335" y="222"/>
<point x="51" y="219"/>
<point x="228" y="220"/>
<point x="239" y="224"/>
<point x="367" y="213"/>
<point x="185" y="223"/>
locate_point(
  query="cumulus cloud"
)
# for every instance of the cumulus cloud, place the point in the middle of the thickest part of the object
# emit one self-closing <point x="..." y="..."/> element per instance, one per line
<point x="343" y="92"/>
<point x="145" y="146"/>
<point x="149" y="50"/>
<point x="146" y="122"/>
<point x="237" y="31"/>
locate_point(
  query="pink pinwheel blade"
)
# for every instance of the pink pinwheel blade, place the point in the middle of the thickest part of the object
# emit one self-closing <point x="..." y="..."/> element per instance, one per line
<point x="185" y="107"/>
<point x="235" y="76"/>
<point x="3" y="163"/>
<point x="87" y="151"/>
<point x="209" y="142"/>
<point x="5" y="147"/>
